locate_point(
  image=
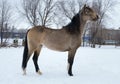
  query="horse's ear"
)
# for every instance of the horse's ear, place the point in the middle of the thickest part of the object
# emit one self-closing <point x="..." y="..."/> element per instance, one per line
<point x="84" y="6"/>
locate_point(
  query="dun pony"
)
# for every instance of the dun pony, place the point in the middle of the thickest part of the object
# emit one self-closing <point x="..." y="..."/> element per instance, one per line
<point x="68" y="38"/>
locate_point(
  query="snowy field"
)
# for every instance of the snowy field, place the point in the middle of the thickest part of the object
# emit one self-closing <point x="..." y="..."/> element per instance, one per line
<point x="91" y="66"/>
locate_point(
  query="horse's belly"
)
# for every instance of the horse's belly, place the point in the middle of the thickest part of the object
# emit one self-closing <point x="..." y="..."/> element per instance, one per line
<point x="57" y="41"/>
<point x="56" y="47"/>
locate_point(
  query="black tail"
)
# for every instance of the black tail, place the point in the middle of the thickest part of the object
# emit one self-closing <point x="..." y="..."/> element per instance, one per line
<point x="25" y="53"/>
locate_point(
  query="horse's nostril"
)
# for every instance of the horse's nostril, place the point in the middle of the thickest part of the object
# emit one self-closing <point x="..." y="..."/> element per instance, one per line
<point x="97" y="17"/>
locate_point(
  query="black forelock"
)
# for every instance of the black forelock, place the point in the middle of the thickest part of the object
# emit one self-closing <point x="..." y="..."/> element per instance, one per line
<point x="74" y="26"/>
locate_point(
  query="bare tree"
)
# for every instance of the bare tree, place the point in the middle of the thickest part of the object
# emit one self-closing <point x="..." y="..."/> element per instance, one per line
<point x="71" y="7"/>
<point x="30" y="10"/>
<point x="5" y="15"/>
<point x="102" y="7"/>
<point x="38" y="12"/>
<point x="67" y="8"/>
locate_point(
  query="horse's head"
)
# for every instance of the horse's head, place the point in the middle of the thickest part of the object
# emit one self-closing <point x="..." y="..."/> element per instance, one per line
<point x="89" y="14"/>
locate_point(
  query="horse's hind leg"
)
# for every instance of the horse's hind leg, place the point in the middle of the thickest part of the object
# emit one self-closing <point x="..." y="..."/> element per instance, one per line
<point x="26" y="61"/>
<point x="35" y="59"/>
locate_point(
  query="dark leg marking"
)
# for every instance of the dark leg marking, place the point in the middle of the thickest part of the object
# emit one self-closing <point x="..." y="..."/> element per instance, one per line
<point x="70" y="61"/>
<point x="35" y="59"/>
<point x="71" y="56"/>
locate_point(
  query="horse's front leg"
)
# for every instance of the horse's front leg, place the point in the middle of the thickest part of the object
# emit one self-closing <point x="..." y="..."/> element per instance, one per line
<point x="71" y="55"/>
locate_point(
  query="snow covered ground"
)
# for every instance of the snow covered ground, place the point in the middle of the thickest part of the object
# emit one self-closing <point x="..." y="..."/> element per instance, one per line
<point x="91" y="66"/>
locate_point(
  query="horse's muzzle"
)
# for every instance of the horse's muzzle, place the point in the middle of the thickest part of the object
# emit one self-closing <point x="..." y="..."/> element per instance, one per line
<point x="96" y="18"/>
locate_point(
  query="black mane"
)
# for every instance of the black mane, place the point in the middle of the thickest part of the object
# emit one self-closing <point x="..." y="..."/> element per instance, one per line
<point x="74" y="26"/>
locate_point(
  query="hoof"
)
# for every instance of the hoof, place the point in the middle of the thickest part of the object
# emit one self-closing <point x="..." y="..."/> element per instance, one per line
<point x="24" y="72"/>
<point x="39" y="72"/>
<point x="70" y="74"/>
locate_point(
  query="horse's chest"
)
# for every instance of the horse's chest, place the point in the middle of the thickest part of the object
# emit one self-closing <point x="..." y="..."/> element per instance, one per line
<point x="75" y="42"/>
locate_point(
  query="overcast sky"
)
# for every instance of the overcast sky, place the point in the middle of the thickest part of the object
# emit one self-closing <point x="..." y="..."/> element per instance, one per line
<point x="112" y="22"/>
